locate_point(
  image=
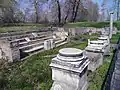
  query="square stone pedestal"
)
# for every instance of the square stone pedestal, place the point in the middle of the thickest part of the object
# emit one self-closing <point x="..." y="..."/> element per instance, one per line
<point x="69" y="70"/>
<point x="47" y="45"/>
<point x="96" y="60"/>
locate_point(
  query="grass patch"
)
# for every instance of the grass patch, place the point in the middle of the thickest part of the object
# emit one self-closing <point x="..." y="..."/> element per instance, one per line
<point x="96" y="78"/>
<point x="117" y="24"/>
<point x="88" y="24"/>
<point x="115" y="38"/>
<point x="21" y="27"/>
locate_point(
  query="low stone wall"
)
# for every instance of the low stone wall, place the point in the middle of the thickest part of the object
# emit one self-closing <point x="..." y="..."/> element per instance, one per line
<point x="83" y="30"/>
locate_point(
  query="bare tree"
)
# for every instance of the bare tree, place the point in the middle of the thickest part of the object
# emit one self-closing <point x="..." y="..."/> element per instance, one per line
<point x="118" y="9"/>
<point x="59" y="11"/>
<point x="36" y="4"/>
<point x="92" y="11"/>
<point x="8" y="11"/>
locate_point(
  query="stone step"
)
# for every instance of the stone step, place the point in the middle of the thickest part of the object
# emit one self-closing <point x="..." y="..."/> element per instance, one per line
<point x="34" y="41"/>
<point x="34" y="49"/>
<point x="39" y="46"/>
<point x="20" y="33"/>
<point x="24" y="35"/>
<point x="31" y="38"/>
<point x="60" y="44"/>
<point x="59" y="41"/>
<point x="11" y="38"/>
<point x="41" y="36"/>
<point x="31" y="46"/>
<point x="35" y="44"/>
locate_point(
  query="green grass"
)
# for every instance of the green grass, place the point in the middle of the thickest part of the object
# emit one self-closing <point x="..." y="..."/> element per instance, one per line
<point x="88" y="24"/>
<point x="22" y="26"/>
<point x="18" y="28"/>
<point x="115" y="38"/>
<point x="96" y="78"/>
<point x="117" y="24"/>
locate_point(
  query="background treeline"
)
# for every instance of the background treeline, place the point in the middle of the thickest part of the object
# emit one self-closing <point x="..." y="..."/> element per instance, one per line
<point x="48" y="11"/>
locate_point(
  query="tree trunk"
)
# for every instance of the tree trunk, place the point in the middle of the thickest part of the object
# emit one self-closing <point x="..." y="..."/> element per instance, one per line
<point x="36" y="11"/>
<point x="118" y="2"/>
<point x="59" y="11"/>
<point x="76" y="10"/>
<point x="73" y="10"/>
<point x="67" y="14"/>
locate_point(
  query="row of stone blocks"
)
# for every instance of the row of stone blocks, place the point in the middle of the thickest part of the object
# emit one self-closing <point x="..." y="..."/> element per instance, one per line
<point x="96" y="50"/>
<point x="70" y="66"/>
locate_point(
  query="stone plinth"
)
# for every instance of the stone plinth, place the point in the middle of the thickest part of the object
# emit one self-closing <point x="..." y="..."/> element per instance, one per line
<point x="95" y="55"/>
<point x="52" y="43"/>
<point x="99" y="45"/>
<point x="106" y="41"/>
<point x="47" y="45"/>
<point x="10" y="50"/>
<point x="1" y="53"/>
<point x="96" y="60"/>
<point x="69" y="70"/>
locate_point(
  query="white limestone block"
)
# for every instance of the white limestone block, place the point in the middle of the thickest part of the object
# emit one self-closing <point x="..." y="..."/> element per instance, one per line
<point x="1" y="54"/>
<point x="69" y="70"/>
<point x="52" y="43"/>
<point x="96" y="60"/>
<point x="35" y="34"/>
<point x="27" y="39"/>
<point x="47" y="44"/>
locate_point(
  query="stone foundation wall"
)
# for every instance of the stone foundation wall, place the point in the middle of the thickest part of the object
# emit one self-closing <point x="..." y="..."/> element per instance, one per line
<point x="83" y="30"/>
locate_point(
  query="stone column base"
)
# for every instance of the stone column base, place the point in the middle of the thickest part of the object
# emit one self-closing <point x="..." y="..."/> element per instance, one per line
<point x="63" y="86"/>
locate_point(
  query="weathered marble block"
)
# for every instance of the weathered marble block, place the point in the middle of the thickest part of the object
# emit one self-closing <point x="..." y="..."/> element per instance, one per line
<point x="52" y="43"/>
<point x="1" y="53"/>
<point x="35" y="34"/>
<point x="27" y="39"/>
<point x="69" y="70"/>
<point x="47" y="44"/>
<point x="10" y="50"/>
<point x="95" y="51"/>
<point x="106" y="41"/>
<point x="96" y="60"/>
<point x="99" y="45"/>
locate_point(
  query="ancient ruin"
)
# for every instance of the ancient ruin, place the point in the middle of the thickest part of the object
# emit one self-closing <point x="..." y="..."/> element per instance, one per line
<point x="69" y="70"/>
<point x="106" y="40"/>
<point x="16" y="45"/>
